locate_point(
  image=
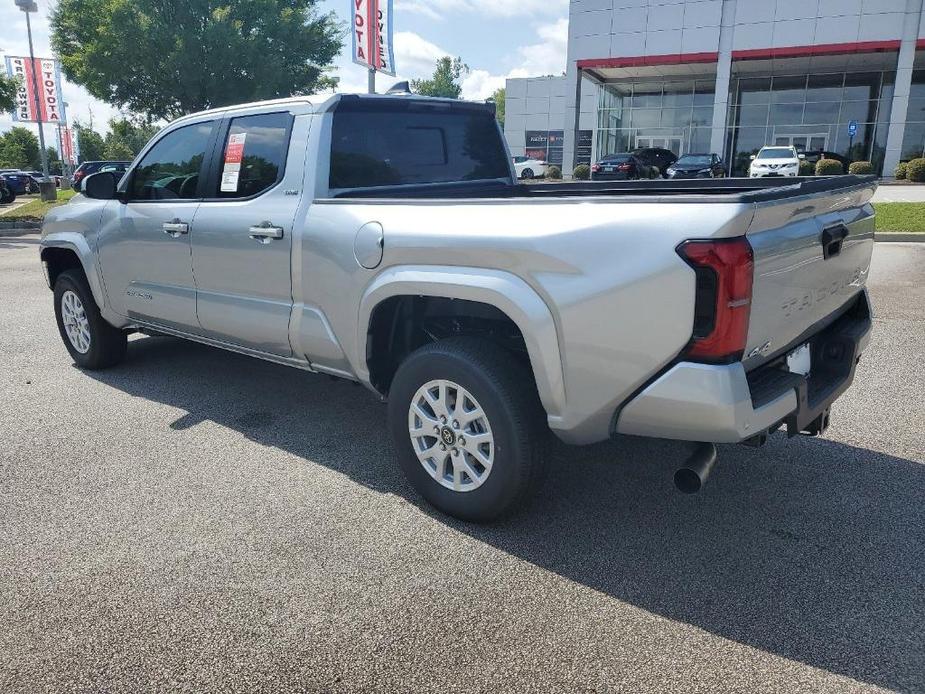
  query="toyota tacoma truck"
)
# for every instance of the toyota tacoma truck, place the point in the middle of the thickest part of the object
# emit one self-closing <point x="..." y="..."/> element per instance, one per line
<point x="385" y="239"/>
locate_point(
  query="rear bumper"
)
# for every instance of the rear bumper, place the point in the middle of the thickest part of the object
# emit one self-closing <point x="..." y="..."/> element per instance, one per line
<point x="724" y="404"/>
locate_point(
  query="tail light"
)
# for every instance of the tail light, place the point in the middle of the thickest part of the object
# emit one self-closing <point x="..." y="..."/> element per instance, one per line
<point x="624" y="167"/>
<point x="595" y="167"/>
<point x="725" y="270"/>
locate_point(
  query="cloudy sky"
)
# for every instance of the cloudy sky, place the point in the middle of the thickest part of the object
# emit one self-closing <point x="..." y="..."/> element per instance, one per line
<point x="496" y="38"/>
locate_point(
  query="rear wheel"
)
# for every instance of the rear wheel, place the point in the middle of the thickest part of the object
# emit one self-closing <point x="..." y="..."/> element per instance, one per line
<point x="7" y="196"/>
<point x="468" y="427"/>
<point x="526" y="173"/>
<point x="92" y="342"/>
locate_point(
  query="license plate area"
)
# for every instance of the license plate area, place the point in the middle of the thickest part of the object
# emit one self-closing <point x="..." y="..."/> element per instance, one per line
<point x="799" y="361"/>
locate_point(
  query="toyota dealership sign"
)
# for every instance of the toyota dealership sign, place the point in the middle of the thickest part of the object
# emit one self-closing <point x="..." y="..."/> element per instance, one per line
<point x="372" y="35"/>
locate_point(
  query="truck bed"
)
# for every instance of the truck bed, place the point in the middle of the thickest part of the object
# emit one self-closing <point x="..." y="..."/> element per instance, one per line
<point x="726" y="190"/>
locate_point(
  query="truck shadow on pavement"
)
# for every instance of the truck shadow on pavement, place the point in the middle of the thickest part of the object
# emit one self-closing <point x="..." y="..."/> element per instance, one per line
<point x="810" y="549"/>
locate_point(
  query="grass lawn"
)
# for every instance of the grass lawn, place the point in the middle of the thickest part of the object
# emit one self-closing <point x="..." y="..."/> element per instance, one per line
<point x="900" y="216"/>
<point x="35" y="210"/>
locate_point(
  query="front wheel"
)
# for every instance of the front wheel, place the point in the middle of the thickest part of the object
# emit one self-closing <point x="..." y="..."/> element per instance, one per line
<point x="526" y="174"/>
<point x="7" y="196"/>
<point x="92" y="342"/>
<point x="468" y="428"/>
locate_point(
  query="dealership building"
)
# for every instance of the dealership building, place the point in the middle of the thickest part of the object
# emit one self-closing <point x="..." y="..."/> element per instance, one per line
<point x="729" y="76"/>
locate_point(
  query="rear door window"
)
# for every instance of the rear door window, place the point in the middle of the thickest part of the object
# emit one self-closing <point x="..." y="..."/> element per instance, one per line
<point x="254" y="154"/>
<point x="377" y="145"/>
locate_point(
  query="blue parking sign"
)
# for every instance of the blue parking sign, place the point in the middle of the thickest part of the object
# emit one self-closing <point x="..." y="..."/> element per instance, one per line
<point x="852" y="128"/>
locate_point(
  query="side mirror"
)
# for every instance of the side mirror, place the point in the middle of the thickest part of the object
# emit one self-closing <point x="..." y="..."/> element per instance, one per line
<point x="99" y="186"/>
<point x="752" y="157"/>
<point x="802" y="156"/>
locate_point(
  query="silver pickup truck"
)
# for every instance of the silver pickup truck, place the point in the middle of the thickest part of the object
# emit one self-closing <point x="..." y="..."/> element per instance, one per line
<point x="384" y="239"/>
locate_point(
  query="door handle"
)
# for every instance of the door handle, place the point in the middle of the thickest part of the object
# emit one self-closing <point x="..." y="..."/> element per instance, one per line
<point x="266" y="231"/>
<point x="175" y="228"/>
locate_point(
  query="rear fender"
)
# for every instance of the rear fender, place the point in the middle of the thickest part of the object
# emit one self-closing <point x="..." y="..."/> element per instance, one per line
<point x="504" y="291"/>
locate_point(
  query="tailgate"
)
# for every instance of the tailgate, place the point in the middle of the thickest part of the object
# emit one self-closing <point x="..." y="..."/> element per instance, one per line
<point x="812" y="257"/>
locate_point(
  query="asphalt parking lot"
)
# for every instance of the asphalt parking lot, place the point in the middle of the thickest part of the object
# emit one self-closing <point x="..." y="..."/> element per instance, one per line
<point x="198" y="521"/>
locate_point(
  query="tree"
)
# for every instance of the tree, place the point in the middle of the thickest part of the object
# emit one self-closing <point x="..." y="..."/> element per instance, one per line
<point x="165" y="58"/>
<point x="127" y="137"/>
<point x="91" y="143"/>
<point x="445" y="81"/>
<point x="19" y="149"/>
<point x="54" y="161"/>
<point x="9" y="86"/>
<point x="498" y="99"/>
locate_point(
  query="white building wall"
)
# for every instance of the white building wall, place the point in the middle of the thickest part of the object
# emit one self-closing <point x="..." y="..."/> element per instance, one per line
<point x="606" y="29"/>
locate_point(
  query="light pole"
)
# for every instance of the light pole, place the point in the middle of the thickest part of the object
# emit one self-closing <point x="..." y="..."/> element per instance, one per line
<point x="28" y="6"/>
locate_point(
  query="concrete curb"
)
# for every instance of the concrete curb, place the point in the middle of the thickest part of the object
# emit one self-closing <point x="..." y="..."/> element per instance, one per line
<point x="21" y="224"/>
<point x="19" y="231"/>
<point x="905" y="237"/>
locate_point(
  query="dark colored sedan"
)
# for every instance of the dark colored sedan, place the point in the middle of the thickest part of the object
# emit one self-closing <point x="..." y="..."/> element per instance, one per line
<point x="621" y="167"/>
<point x="697" y="166"/>
<point x="92" y="167"/>
<point x="20" y="182"/>
<point x="656" y="156"/>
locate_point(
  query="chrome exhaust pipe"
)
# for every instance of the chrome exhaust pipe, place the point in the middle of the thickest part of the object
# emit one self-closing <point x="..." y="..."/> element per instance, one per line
<point x="691" y="478"/>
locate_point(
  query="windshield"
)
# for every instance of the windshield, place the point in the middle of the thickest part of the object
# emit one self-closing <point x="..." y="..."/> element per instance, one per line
<point x="694" y="160"/>
<point x="616" y="157"/>
<point x="776" y="153"/>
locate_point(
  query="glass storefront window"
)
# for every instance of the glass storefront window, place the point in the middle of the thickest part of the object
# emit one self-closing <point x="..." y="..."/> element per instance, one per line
<point x="913" y="141"/>
<point x="823" y="112"/>
<point x="811" y="113"/>
<point x="825" y="88"/>
<point x="788" y="90"/>
<point x="786" y="113"/>
<point x="754" y="91"/>
<point x="673" y="114"/>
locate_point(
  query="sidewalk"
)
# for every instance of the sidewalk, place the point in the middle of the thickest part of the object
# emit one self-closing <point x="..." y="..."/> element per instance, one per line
<point x="900" y="193"/>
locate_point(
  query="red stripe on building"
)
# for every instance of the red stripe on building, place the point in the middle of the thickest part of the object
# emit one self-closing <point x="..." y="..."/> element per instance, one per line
<point x="820" y="49"/>
<point x="649" y="60"/>
<point x="750" y="54"/>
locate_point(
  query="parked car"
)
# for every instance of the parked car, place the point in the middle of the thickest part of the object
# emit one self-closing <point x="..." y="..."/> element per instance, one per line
<point x="20" y="182"/>
<point x="527" y="167"/>
<point x="91" y="167"/>
<point x="775" y="161"/>
<point x="6" y="194"/>
<point x="485" y="311"/>
<point x="657" y="156"/>
<point x="697" y="166"/>
<point x="621" y="167"/>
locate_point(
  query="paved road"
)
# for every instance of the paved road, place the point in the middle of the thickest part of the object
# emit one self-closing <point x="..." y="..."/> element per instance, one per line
<point x="197" y="521"/>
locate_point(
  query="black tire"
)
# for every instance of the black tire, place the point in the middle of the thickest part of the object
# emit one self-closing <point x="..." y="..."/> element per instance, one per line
<point x="7" y="196"/>
<point x="526" y="173"/>
<point x="505" y="390"/>
<point x="107" y="344"/>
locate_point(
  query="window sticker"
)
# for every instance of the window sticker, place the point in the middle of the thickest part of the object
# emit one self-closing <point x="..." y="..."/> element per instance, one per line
<point x="234" y="154"/>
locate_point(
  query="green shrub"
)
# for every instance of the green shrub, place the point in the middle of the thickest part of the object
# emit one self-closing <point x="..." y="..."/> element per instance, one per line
<point x="829" y="167"/>
<point x="915" y="170"/>
<point x="554" y="173"/>
<point x="806" y="168"/>
<point x="582" y="172"/>
<point x="900" y="171"/>
<point x="862" y="168"/>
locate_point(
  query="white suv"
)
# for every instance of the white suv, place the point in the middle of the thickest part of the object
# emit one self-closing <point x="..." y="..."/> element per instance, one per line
<point x="775" y="161"/>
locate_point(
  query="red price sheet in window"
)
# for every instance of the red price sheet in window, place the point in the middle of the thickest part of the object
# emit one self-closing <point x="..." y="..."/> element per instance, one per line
<point x="234" y="155"/>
